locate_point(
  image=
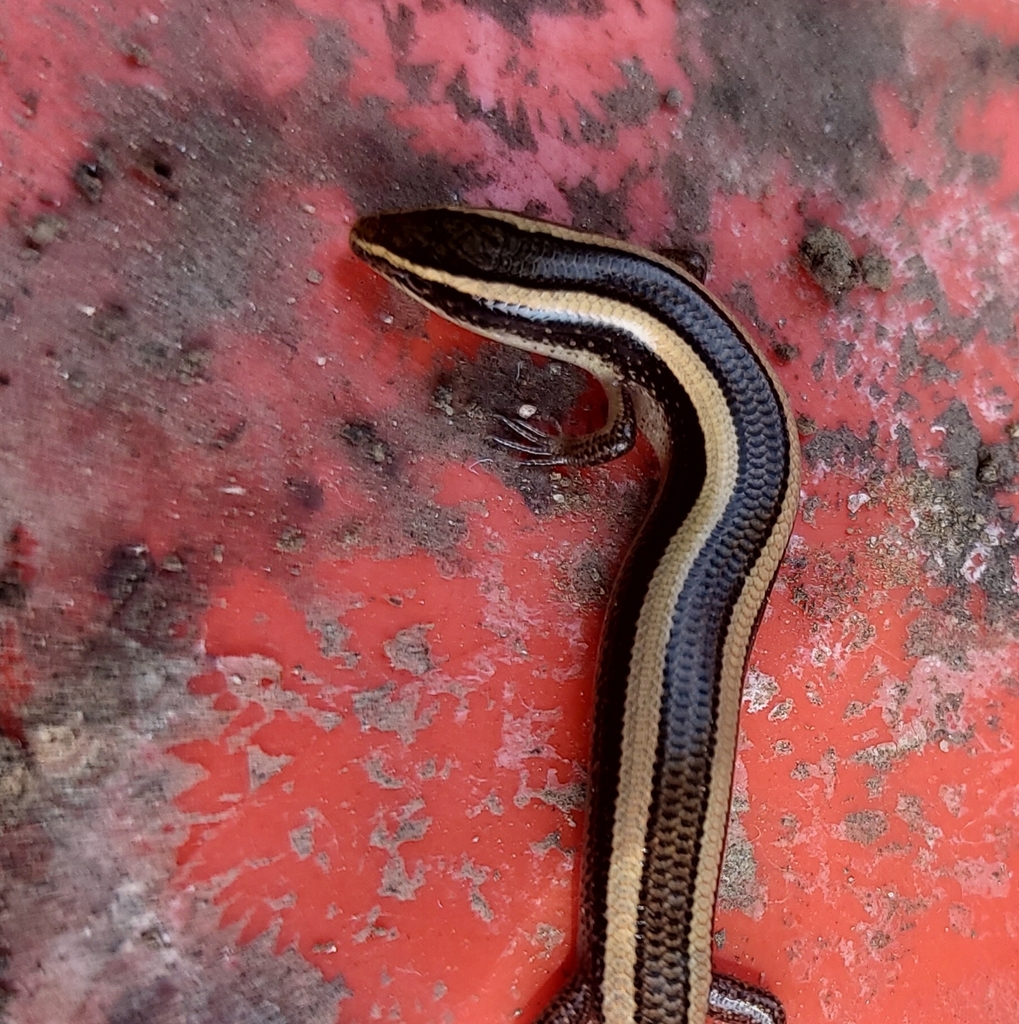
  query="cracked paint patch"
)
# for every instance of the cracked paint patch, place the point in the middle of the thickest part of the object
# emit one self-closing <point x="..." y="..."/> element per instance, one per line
<point x="236" y="467"/>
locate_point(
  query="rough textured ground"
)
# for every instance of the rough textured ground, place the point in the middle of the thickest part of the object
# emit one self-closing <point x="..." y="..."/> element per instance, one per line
<point x="295" y="669"/>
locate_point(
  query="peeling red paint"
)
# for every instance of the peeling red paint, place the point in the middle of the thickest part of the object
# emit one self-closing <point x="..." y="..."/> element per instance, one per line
<point x="295" y="672"/>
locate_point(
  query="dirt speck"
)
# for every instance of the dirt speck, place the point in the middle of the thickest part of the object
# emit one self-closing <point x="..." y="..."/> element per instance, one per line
<point x="409" y="652"/>
<point x="291" y="540"/>
<point x="515" y="131"/>
<point x="631" y="104"/>
<point x="864" y="827"/>
<point x="375" y="769"/>
<point x="589" y="577"/>
<point x="828" y="257"/>
<point x="968" y="532"/>
<point x="129" y="567"/>
<point x="88" y="178"/>
<point x="372" y="929"/>
<point x="13" y="587"/>
<point x="152" y="606"/>
<point x="364" y="439"/>
<point x="302" y="841"/>
<point x="737" y="884"/>
<point x="307" y="492"/>
<point x="477" y="876"/>
<point x="262" y="766"/>
<point x="333" y="644"/>
<point x="381" y="708"/>
<point x="435" y="528"/>
<point x="566" y="797"/>
<point x="599" y="211"/>
<point x="15" y="780"/>
<point x="842" y="448"/>
<point x="156" y="164"/>
<point x="45" y="230"/>
<point x="876" y="271"/>
<point x="396" y="883"/>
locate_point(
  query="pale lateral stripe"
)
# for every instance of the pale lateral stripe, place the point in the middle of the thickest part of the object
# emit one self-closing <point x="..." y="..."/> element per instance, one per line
<point x="734" y="656"/>
<point x="645" y="681"/>
<point x="642" y="711"/>
<point x="737" y="644"/>
<point x="645" y="684"/>
<point x="646" y="677"/>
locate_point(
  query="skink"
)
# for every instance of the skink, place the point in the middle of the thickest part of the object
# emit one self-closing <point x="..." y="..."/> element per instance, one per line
<point x="683" y="612"/>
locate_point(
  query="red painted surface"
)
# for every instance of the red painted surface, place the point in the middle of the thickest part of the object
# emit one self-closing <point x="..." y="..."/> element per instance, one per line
<point x="373" y="758"/>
